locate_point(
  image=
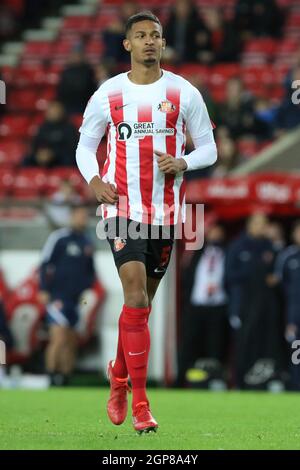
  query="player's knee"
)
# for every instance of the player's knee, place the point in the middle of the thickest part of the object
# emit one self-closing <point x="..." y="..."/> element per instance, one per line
<point x="136" y="298"/>
<point x="59" y="339"/>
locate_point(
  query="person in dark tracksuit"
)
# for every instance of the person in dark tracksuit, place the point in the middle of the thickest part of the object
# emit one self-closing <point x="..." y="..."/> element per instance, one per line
<point x="253" y="308"/>
<point x="67" y="269"/>
<point x="288" y="273"/>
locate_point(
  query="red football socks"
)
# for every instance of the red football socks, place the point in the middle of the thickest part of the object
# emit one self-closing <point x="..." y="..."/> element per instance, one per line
<point x="135" y="337"/>
<point x="120" y="368"/>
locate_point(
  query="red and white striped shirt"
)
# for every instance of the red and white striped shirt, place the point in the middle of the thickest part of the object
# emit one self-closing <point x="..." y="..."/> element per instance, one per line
<point x="140" y="119"/>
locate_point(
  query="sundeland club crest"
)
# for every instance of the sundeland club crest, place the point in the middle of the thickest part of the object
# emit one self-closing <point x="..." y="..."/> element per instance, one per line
<point x="119" y="243"/>
<point x="166" y="107"/>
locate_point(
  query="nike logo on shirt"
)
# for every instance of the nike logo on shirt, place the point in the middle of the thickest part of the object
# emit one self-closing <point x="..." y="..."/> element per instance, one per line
<point x="136" y="354"/>
<point x="120" y="107"/>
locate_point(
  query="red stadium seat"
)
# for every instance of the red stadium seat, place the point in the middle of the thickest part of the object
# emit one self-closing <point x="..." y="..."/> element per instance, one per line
<point x="29" y="183"/>
<point x="259" y="50"/>
<point x="94" y="48"/>
<point x="57" y="175"/>
<point x="11" y="153"/>
<point x="45" y="96"/>
<point x="77" y="24"/>
<point x="41" y="49"/>
<point x="189" y="70"/>
<point x="23" y="100"/>
<point x="253" y="75"/>
<point x="103" y="20"/>
<point x="6" y="181"/>
<point x="30" y="76"/>
<point x="15" y="126"/>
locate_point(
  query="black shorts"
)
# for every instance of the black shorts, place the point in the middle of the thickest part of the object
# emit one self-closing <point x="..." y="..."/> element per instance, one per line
<point x="135" y="241"/>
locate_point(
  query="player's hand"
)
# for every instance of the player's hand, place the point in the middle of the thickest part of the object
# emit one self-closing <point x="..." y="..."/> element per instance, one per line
<point x="168" y="164"/>
<point x="105" y="193"/>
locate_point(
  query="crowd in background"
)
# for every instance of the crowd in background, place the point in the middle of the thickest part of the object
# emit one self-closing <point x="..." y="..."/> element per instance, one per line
<point x="239" y="312"/>
<point x="192" y="37"/>
<point x="240" y="307"/>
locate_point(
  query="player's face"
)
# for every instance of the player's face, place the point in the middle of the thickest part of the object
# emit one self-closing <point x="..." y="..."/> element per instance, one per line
<point x="79" y="218"/>
<point x="145" y="42"/>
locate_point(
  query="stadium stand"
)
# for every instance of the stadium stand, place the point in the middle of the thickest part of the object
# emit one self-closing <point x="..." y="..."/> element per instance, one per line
<point x="32" y="62"/>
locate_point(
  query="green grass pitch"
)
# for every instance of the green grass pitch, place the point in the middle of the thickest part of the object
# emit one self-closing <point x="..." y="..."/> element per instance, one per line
<point x="76" y="419"/>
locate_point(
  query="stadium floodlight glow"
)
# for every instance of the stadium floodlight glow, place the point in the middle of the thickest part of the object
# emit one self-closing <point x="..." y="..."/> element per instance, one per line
<point x="2" y="353"/>
<point x="2" y="92"/>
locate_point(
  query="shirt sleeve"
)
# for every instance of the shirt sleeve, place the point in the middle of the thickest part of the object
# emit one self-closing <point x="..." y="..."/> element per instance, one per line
<point x="197" y="121"/>
<point x="95" y="118"/>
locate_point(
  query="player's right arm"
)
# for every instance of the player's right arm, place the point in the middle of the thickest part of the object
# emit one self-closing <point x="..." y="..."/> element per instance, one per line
<point x="92" y="130"/>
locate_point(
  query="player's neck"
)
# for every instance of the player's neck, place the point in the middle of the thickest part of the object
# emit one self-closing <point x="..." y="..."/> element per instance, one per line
<point x="142" y="75"/>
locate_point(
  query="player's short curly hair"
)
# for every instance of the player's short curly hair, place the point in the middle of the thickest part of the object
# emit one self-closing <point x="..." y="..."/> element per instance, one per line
<point x="141" y="16"/>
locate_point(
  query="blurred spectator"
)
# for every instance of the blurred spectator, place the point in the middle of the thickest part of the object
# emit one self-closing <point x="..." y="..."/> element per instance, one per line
<point x="113" y="36"/>
<point x="55" y="142"/>
<point x="288" y="115"/>
<point x="228" y="157"/>
<point x="224" y="40"/>
<point x="253" y="309"/>
<point x="67" y="269"/>
<point x="77" y="83"/>
<point x="186" y="35"/>
<point x="102" y="73"/>
<point x="204" y="318"/>
<point x="258" y="18"/>
<point x="8" y="23"/>
<point x="236" y="112"/>
<point x="265" y="113"/>
<point x="275" y="233"/>
<point x="288" y="272"/>
<point x="58" y="207"/>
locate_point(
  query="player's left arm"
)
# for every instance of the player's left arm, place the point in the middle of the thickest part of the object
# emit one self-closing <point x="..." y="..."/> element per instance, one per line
<point x="199" y="125"/>
<point x="200" y="128"/>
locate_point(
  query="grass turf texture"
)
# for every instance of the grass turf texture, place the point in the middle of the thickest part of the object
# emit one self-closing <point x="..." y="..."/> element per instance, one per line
<point x="76" y="419"/>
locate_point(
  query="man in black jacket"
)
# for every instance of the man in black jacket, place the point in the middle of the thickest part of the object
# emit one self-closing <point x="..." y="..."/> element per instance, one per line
<point x="55" y="142"/>
<point x="67" y="269"/>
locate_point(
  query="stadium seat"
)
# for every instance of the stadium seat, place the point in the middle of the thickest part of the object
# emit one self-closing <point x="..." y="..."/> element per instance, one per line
<point x="77" y="24"/>
<point x="30" y="76"/>
<point x="23" y="100"/>
<point x="57" y="175"/>
<point x="6" y="181"/>
<point x="38" y="49"/>
<point x="11" y="153"/>
<point x="103" y="20"/>
<point x="15" y="126"/>
<point x="259" y="50"/>
<point x="29" y="183"/>
<point x="94" y="48"/>
<point x="192" y="69"/>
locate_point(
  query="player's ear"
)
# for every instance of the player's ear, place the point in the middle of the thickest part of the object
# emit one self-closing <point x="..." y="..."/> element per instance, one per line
<point x="127" y="45"/>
